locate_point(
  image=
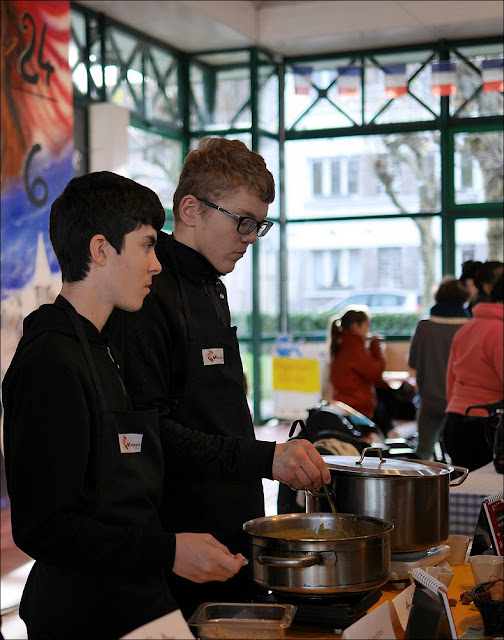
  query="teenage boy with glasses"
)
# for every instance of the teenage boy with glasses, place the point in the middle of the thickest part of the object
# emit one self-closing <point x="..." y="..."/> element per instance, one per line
<point x="180" y="354"/>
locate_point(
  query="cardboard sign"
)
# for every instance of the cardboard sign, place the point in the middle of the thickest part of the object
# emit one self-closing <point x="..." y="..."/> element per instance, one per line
<point x="430" y="614"/>
<point x="494" y="511"/>
<point x="489" y="528"/>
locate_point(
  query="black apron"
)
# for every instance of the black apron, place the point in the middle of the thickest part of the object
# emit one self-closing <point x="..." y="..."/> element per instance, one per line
<point x="213" y="399"/>
<point x="60" y="603"/>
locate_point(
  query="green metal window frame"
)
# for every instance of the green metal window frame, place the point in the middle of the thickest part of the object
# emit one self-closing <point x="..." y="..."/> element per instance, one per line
<point x="97" y="27"/>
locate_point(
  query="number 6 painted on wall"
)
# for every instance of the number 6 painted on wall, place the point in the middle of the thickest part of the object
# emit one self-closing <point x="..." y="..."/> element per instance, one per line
<point x="38" y="182"/>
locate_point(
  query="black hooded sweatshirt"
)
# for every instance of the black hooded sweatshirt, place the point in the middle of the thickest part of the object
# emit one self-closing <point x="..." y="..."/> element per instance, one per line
<point x="88" y="576"/>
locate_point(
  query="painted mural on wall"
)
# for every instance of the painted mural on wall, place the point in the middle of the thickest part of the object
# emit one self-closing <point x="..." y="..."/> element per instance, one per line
<point x="36" y="154"/>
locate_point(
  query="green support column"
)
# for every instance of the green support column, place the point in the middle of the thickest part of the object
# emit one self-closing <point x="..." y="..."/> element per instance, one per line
<point x="256" y="303"/>
<point x="183" y="103"/>
<point x="447" y="182"/>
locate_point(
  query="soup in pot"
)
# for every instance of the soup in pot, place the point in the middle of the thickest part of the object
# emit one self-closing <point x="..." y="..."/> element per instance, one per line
<point x="351" y="529"/>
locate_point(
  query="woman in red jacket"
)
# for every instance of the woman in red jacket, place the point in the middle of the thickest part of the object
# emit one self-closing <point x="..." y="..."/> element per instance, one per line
<point x="355" y="367"/>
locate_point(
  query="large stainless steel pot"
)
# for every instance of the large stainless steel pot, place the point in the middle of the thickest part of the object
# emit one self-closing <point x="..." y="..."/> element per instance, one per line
<point x="414" y="495"/>
<point x="314" y="564"/>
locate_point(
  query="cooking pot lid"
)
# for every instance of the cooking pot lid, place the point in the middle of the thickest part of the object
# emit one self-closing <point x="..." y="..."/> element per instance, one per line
<point x="374" y="466"/>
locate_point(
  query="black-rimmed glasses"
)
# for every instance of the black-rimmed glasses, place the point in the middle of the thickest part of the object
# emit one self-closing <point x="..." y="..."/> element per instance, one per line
<point x="245" y="225"/>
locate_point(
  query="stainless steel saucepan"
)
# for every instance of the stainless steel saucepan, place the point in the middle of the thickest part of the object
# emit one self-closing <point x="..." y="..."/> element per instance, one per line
<point x="306" y="553"/>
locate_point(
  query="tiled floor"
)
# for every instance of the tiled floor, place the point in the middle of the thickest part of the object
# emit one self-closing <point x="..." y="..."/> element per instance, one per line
<point x="15" y="565"/>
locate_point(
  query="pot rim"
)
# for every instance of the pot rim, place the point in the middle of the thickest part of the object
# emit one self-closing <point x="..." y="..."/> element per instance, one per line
<point x="388" y="526"/>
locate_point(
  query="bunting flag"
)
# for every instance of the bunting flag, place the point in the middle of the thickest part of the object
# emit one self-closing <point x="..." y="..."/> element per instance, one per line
<point x="395" y="80"/>
<point x="492" y="71"/>
<point x="444" y="79"/>
<point x="349" y="81"/>
<point x="302" y="80"/>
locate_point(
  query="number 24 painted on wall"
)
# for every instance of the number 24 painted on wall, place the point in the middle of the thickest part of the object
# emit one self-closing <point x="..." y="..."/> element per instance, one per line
<point x="38" y="184"/>
<point x="25" y="57"/>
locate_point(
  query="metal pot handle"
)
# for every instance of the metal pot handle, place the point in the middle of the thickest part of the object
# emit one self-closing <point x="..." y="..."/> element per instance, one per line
<point x="305" y="561"/>
<point x="449" y="467"/>
<point x="366" y="449"/>
<point x="457" y="481"/>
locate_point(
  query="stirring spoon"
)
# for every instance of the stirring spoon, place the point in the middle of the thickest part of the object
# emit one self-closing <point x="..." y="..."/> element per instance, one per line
<point x="304" y="429"/>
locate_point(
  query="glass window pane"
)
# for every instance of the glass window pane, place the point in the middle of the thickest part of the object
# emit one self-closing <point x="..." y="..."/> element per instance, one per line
<point x="154" y="161"/>
<point x="265" y="355"/>
<point x="269" y="277"/>
<point x="269" y="149"/>
<point x="239" y="284"/>
<point x="220" y="91"/>
<point x="478" y="239"/>
<point x="76" y="45"/>
<point x="123" y="83"/>
<point x="268" y="98"/>
<point x="415" y="105"/>
<point x="97" y="70"/>
<point x="473" y="97"/>
<point x="161" y="87"/>
<point x="239" y="287"/>
<point x="363" y="175"/>
<point x="389" y="265"/>
<point x="322" y="106"/>
<point x="478" y="167"/>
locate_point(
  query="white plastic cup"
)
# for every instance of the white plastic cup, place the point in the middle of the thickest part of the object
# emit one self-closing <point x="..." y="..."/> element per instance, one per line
<point x="486" y="568"/>
<point x="458" y="548"/>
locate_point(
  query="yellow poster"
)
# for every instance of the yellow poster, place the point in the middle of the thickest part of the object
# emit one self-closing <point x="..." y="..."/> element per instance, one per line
<point x="296" y="374"/>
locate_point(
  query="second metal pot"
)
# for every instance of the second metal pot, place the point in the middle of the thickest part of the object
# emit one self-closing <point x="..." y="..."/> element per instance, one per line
<point x="413" y="495"/>
<point x="311" y="564"/>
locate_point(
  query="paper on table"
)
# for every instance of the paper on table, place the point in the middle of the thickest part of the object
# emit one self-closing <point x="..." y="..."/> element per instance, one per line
<point x="375" y="624"/>
<point x="168" y="627"/>
<point x="402" y="604"/>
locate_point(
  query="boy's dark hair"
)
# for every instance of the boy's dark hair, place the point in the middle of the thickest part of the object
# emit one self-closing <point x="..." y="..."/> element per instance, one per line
<point x="99" y="202"/>
<point x="451" y="289"/>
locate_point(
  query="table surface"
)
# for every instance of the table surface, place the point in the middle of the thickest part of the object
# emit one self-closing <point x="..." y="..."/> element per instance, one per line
<point x="483" y="481"/>
<point x="466" y="498"/>
<point x="464" y="616"/>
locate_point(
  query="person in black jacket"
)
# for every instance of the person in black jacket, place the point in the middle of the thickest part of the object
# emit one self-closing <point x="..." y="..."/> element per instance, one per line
<point x="85" y="468"/>
<point x="180" y="353"/>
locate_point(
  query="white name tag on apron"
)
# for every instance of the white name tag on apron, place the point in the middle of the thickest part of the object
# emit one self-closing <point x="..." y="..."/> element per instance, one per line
<point x="130" y="442"/>
<point x="213" y="356"/>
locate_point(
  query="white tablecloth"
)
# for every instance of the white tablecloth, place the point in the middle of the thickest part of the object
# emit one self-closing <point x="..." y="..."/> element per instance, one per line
<point x="466" y="499"/>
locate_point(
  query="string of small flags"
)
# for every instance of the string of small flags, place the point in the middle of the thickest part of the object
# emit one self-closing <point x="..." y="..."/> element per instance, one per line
<point x="443" y="79"/>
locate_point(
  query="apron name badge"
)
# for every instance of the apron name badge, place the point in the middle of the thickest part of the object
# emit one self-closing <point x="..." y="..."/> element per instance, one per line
<point x="130" y="442"/>
<point x="212" y="356"/>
